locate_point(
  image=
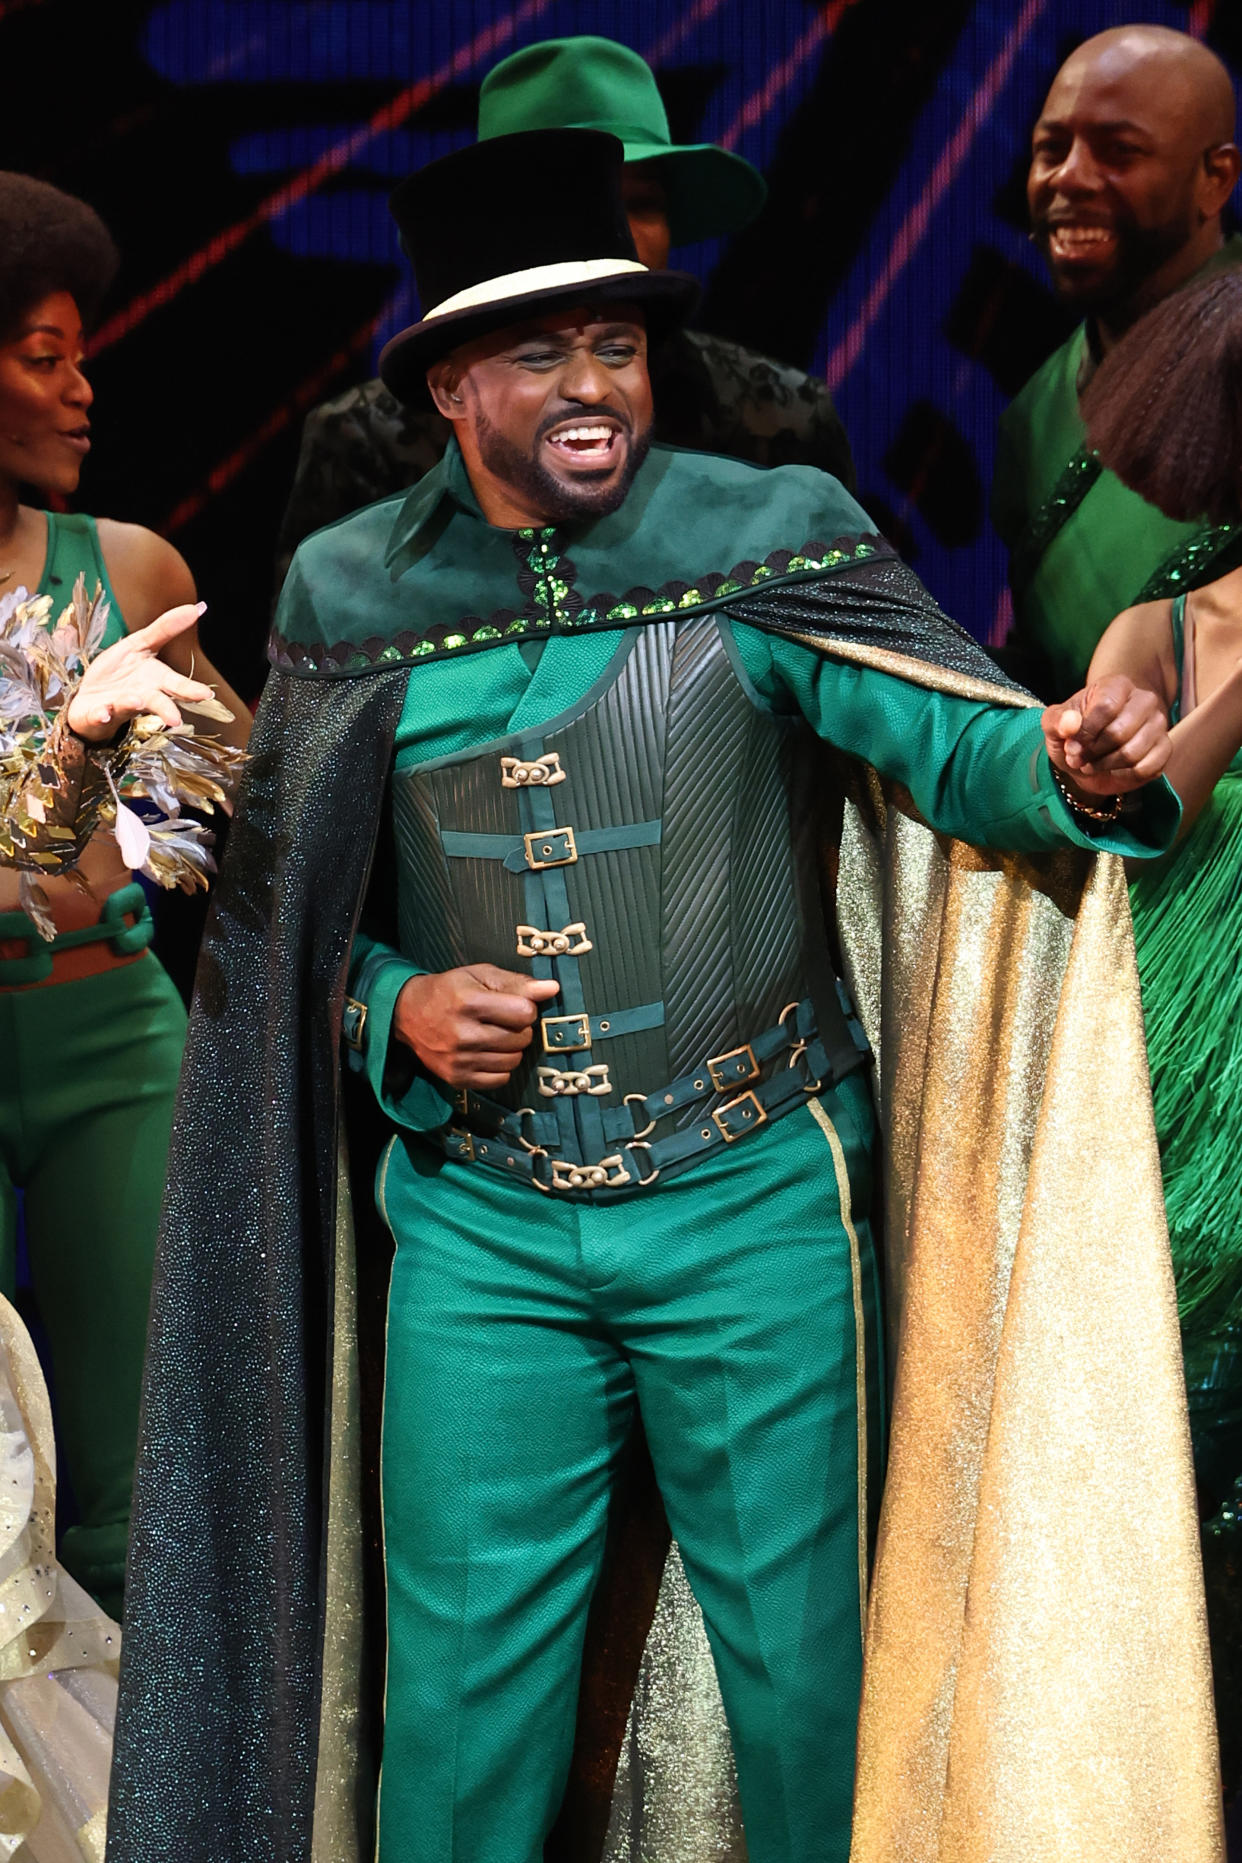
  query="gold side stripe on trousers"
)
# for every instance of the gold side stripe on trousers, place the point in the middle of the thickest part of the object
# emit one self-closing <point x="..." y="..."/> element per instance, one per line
<point x="860" y="1342"/>
<point x="381" y="1198"/>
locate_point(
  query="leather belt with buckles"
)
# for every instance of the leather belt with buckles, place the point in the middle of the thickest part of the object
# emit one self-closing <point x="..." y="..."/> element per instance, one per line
<point x="563" y="1034"/>
<point x="524" y="1143"/>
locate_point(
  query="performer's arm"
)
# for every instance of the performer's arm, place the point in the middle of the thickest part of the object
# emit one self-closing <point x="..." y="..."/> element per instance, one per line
<point x="417" y="1034"/>
<point x="50" y="804"/>
<point x="49" y="808"/>
<point x="977" y="771"/>
<point x="377" y="975"/>
<point x="1203" y="744"/>
<point x="150" y="578"/>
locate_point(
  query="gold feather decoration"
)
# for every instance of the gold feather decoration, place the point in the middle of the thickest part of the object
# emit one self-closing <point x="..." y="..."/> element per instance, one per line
<point x="57" y="792"/>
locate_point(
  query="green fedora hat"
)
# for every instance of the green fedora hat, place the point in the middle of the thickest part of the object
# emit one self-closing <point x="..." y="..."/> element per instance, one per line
<point x="589" y="83"/>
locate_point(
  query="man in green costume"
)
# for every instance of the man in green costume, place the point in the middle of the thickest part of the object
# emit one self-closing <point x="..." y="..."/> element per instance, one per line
<point x="710" y="393"/>
<point x="531" y="826"/>
<point x="1132" y="167"/>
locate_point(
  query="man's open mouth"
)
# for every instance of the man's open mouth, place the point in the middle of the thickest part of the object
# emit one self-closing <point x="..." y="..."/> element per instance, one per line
<point x="587" y="443"/>
<point x="1077" y="242"/>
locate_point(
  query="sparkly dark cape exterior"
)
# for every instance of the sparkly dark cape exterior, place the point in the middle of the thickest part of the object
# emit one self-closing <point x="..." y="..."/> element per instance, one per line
<point x="217" y="1734"/>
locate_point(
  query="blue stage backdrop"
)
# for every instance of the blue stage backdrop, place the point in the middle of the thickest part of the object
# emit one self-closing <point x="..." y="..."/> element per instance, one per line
<point x="242" y="151"/>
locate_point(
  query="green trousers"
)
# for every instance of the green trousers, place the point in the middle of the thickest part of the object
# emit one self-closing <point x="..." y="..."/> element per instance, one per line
<point x="734" y="1308"/>
<point x="86" y="1093"/>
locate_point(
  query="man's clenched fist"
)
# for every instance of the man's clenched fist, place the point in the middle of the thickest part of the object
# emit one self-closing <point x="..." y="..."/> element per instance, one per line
<point x="470" y="1027"/>
<point x="1111" y="737"/>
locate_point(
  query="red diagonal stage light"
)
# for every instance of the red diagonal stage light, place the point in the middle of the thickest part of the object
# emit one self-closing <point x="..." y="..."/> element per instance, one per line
<point x="303" y="397"/>
<point x="672" y="41"/>
<point x="309" y="391"/>
<point x="913" y="229"/>
<point x="339" y="157"/>
<point x="778" y="81"/>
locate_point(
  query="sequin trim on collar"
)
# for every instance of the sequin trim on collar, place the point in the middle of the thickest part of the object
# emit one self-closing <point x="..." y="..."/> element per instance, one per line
<point x="1186" y="566"/>
<point x="1056" y="511"/>
<point x="554" y="605"/>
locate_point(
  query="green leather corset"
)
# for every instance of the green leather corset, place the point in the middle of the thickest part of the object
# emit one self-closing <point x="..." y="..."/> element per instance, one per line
<point x="653" y="849"/>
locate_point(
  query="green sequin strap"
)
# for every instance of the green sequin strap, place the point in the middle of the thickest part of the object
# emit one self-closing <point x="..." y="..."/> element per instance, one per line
<point x="1200" y="559"/>
<point x="1052" y="516"/>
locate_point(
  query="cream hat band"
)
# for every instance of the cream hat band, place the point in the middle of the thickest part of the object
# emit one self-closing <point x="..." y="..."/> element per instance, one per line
<point x="529" y="283"/>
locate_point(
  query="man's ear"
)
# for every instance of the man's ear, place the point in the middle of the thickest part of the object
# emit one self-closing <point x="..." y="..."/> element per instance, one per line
<point x="1221" y="166"/>
<point x="443" y="382"/>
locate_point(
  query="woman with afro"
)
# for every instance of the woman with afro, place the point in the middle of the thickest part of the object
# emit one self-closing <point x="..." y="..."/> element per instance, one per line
<point x="91" y="1028"/>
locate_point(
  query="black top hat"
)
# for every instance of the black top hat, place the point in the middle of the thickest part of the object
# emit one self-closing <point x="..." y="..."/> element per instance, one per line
<point x="498" y="230"/>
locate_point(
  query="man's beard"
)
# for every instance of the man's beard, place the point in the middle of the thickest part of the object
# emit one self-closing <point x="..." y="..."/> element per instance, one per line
<point x="560" y="502"/>
<point x="1141" y="252"/>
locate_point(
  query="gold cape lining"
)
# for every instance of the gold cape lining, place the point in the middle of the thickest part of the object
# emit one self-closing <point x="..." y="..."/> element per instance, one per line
<point x="1036" y="1678"/>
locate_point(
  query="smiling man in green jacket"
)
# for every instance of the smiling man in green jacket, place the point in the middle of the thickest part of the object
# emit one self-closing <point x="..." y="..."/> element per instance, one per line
<point x="1132" y="166"/>
<point x="533" y="826"/>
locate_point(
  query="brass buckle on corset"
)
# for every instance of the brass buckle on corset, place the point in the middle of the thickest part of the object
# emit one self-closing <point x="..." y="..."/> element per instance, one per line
<point x="609" y="1174"/>
<point x="581" y="1037"/>
<point x="752" y="1116"/>
<point x="353" y="1023"/>
<point x="540" y="849"/>
<point x="718" y="1066"/>
<point x="527" y="772"/>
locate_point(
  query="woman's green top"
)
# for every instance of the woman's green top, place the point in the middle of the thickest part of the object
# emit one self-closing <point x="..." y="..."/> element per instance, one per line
<point x="73" y="550"/>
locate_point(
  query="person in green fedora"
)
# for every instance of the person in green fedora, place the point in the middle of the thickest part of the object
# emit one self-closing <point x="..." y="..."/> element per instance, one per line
<point x="1132" y="166"/>
<point x="712" y="395"/>
<point x="679" y="192"/>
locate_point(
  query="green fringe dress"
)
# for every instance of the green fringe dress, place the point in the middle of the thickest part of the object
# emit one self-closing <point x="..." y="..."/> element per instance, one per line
<point x="1188" y="938"/>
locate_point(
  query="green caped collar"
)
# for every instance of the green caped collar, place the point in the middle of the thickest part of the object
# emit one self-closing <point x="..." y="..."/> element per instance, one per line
<point x="423" y="576"/>
<point x="449" y="480"/>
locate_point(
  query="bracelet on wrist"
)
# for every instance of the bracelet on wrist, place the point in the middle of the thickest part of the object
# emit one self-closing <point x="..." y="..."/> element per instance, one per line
<point x="1108" y="813"/>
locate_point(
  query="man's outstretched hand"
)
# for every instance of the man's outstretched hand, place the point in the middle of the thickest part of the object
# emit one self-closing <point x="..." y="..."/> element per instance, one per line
<point x="470" y="1027"/>
<point x="1109" y="738"/>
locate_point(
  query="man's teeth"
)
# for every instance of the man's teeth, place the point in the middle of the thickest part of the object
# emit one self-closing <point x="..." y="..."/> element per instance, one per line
<point x="584" y="434"/>
<point x="1081" y="238"/>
